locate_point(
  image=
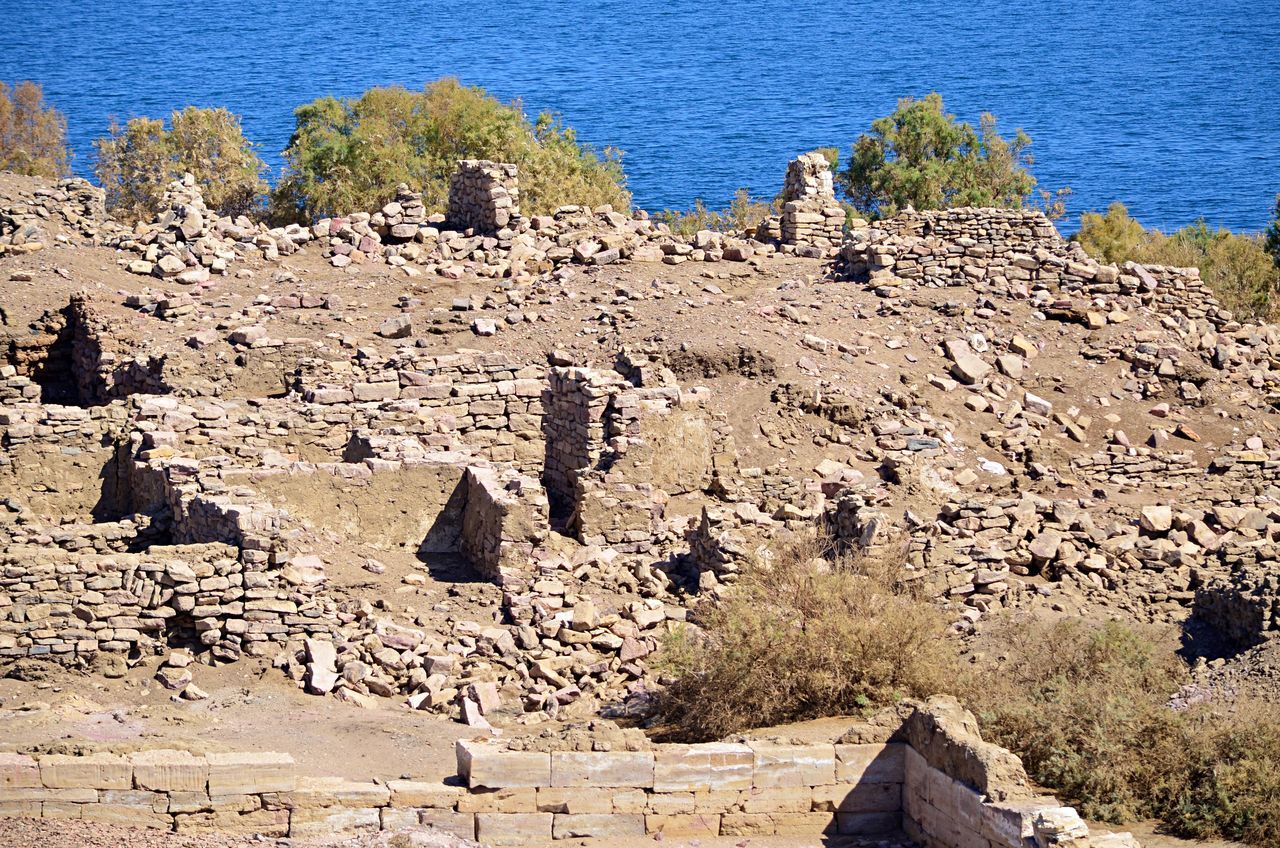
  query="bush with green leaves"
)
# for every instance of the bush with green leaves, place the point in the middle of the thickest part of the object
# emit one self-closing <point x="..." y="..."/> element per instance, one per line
<point x="743" y="213"/>
<point x="349" y="155"/>
<point x="138" y="160"/>
<point x="921" y="156"/>
<point x="33" y="135"/>
<point x="1237" y="266"/>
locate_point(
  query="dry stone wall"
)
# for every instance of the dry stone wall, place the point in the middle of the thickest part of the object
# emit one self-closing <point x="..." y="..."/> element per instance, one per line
<point x="484" y="196"/>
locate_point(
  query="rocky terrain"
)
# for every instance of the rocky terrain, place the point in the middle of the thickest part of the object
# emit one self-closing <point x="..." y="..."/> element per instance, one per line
<point x="468" y="470"/>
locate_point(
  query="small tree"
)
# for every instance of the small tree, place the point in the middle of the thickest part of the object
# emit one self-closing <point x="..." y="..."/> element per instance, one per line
<point x="920" y="156"/>
<point x="137" y="161"/>
<point x="1272" y="237"/>
<point x="349" y="155"/>
<point x="1113" y="237"/>
<point x="33" y="136"/>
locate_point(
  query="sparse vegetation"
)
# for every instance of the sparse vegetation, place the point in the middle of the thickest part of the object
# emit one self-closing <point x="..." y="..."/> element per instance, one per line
<point x="33" y="135"/>
<point x="920" y="156"/>
<point x="1272" y="235"/>
<point x="138" y="160"/>
<point x="348" y="155"/>
<point x="805" y="633"/>
<point x="1238" y="267"/>
<point x="1087" y="708"/>
<point x="743" y="213"/>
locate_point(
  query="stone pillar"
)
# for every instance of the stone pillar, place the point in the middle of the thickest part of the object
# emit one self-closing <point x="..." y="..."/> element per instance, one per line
<point x="484" y="196"/>
<point x="810" y="214"/>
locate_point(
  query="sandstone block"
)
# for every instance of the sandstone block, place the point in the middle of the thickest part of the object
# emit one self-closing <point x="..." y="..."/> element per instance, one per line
<point x="593" y="826"/>
<point x="513" y="800"/>
<point x="93" y="771"/>
<point x="487" y="766"/>
<point x="602" y="768"/>
<point x="867" y="824"/>
<point x="330" y="821"/>
<point x="776" y="824"/>
<point x="18" y="771"/>
<point x="782" y="799"/>
<point x="683" y="826"/>
<point x="265" y="822"/>
<point x="126" y="814"/>
<point x="693" y="768"/>
<point x="336" y="792"/>
<point x="513" y="828"/>
<point x="793" y="765"/>
<point x="872" y="763"/>
<point x="169" y="771"/>
<point x="250" y="773"/>
<point x="858" y="798"/>
<point x="433" y="795"/>
<point x="553" y="799"/>
<point x="459" y="824"/>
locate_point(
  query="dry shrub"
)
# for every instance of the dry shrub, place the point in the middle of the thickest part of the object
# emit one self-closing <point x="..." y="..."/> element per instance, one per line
<point x="1086" y="706"/>
<point x="804" y="634"/>
<point x="33" y="136"/>
<point x="743" y="213"/>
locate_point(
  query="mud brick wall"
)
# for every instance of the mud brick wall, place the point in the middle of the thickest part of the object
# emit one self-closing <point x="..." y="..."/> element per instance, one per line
<point x="505" y="518"/>
<point x="483" y="196"/>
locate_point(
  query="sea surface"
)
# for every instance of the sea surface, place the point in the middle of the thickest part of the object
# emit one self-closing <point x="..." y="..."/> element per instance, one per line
<point x="1170" y="106"/>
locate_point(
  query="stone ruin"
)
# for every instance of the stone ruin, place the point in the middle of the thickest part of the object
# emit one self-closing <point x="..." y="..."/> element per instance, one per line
<point x="811" y="216"/>
<point x="484" y="196"/>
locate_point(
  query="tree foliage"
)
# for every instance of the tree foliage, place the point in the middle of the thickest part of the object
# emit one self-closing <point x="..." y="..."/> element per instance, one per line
<point x="1272" y="236"/>
<point x="138" y="160"/>
<point x="920" y="156"/>
<point x="1237" y="266"/>
<point x="33" y="135"/>
<point x="349" y="155"/>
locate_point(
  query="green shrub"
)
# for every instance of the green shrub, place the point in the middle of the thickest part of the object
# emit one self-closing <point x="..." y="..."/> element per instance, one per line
<point x="1237" y="266"/>
<point x="349" y="155"/>
<point x="137" y="161"/>
<point x="743" y="213"/>
<point x="1086" y="707"/>
<point x="33" y="136"/>
<point x="921" y="156"/>
<point x="802" y="636"/>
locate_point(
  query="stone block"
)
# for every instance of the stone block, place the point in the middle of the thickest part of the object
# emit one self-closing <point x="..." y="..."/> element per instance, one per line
<point x="189" y="802"/>
<point x="630" y="801"/>
<point x="61" y="810"/>
<point x="169" y="771"/>
<point x="18" y="771"/>
<point x="683" y="826"/>
<point x="781" y="799"/>
<point x="777" y="824"/>
<point x="868" y="824"/>
<point x="858" y="798"/>
<point x="693" y="768"/>
<point x="605" y="769"/>
<point x="307" y="822"/>
<point x="265" y="822"/>
<point x="513" y="828"/>
<point x="597" y="826"/>
<point x="429" y="794"/>
<point x="483" y="765"/>
<point x="336" y="792"/>
<point x="67" y="796"/>
<point x="249" y="773"/>
<point x="20" y="809"/>
<point x="871" y="763"/>
<point x="793" y="765"/>
<point x="517" y="800"/>
<point x="670" y="803"/>
<point x="552" y="799"/>
<point x="126" y="814"/>
<point x="93" y="771"/>
<point x="447" y="821"/>
<point x="718" y="801"/>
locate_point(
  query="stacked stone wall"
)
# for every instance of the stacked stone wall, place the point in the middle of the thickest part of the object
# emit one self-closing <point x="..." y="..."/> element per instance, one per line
<point x="811" y="216"/>
<point x="505" y="518"/>
<point x="484" y="196"/>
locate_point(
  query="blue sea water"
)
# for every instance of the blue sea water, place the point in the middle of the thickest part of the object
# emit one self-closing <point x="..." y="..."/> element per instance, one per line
<point x="1172" y="107"/>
